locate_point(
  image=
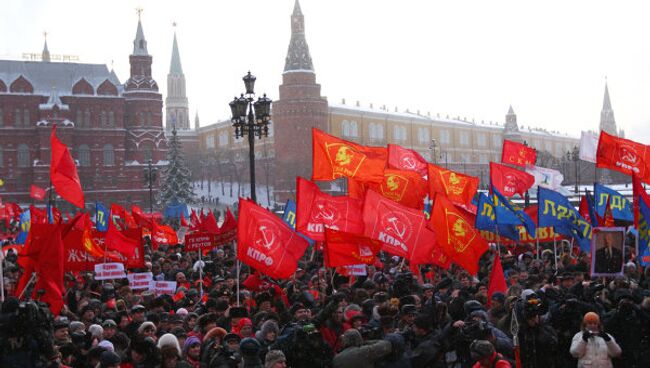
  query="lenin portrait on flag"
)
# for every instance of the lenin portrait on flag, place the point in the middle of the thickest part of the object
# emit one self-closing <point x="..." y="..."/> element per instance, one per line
<point x="607" y="246"/>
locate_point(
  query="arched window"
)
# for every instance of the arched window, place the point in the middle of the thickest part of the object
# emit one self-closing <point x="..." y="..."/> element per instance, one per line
<point x="86" y="120"/>
<point x="141" y="118"/>
<point x="350" y="128"/>
<point x="103" y="119"/>
<point x="109" y="155"/>
<point x="23" y="156"/>
<point x="26" y="118"/>
<point x="84" y="155"/>
<point x="147" y="151"/>
<point x="18" y="118"/>
<point x="111" y="119"/>
<point x="149" y="118"/>
<point x="79" y="121"/>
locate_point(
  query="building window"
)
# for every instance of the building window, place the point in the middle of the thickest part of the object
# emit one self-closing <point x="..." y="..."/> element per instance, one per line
<point x="103" y="119"/>
<point x="270" y="129"/>
<point x="147" y="150"/>
<point x="2" y="162"/>
<point x="463" y="138"/>
<point x="209" y="141"/>
<point x="2" y="118"/>
<point x="465" y="157"/>
<point x="350" y="129"/>
<point x="111" y="119"/>
<point x="444" y="137"/>
<point x="483" y="158"/>
<point x="23" y="156"/>
<point x="223" y="139"/>
<point x="376" y="131"/>
<point x="496" y="141"/>
<point x="548" y="146"/>
<point x="86" y="122"/>
<point x="149" y="118"/>
<point x="399" y="133"/>
<point x="141" y="118"/>
<point x="480" y="140"/>
<point x="423" y="135"/>
<point x="80" y="118"/>
<point x="84" y="155"/>
<point x="18" y="118"/>
<point x="109" y="155"/>
<point x="26" y="118"/>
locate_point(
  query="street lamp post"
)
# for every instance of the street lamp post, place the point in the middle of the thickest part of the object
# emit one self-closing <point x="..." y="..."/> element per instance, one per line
<point x="150" y="174"/>
<point x="574" y="155"/>
<point x="252" y="119"/>
<point x="433" y="146"/>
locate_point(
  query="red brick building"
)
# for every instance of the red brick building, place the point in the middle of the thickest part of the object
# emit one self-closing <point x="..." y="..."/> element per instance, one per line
<point x="112" y="129"/>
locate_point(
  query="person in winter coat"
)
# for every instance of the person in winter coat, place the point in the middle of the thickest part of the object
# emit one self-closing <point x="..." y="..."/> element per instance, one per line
<point x="593" y="347"/>
<point x="485" y="356"/>
<point x="397" y="357"/>
<point x="357" y="354"/>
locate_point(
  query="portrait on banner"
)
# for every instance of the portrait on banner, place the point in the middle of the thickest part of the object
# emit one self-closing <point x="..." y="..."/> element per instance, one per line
<point x="607" y="251"/>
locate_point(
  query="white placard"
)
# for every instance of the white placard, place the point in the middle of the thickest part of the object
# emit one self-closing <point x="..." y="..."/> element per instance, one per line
<point x="164" y="287"/>
<point x="356" y="270"/>
<point x="109" y="271"/>
<point x="140" y="280"/>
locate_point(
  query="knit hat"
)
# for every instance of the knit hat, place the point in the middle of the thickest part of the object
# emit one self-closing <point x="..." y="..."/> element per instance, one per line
<point x="169" y="340"/>
<point x="270" y="326"/>
<point x="352" y="337"/>
<point x="106" y="345"/>
<point x="249" y="347"/>
<point x="481" y="349"/>
<point x="591" y="317"/>
<point x="274" y="356"/>
<point x="96" y="330"/>
<point x="109" y="359"/>
<point x="191" y="340"/>
<point x="146" y="325"/>
<point x="181" y="312"/>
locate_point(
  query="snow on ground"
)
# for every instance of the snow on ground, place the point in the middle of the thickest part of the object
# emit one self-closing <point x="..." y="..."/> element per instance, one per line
<point x="226" y="199"/>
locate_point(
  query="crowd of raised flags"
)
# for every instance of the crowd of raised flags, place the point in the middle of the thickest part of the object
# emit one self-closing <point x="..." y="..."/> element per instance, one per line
<point x="397" y="202"/>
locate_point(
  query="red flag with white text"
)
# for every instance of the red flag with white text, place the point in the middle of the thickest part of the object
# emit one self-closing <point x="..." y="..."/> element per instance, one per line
<point x="266" y="243"/>
<point x="316" y="210"/>
<point x="401" y="158"/>
<point x="509" y="181"/>
<point x="518" y="154"/>
<point x="37" y="192"/>
<point x="342" y="248"/>
<point x="624" y="155"/>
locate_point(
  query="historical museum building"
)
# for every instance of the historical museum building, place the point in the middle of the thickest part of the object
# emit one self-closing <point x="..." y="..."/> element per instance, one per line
<point x="112" y="129"/>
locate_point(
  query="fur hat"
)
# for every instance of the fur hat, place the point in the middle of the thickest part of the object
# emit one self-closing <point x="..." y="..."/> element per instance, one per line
<point x="481" y="349"/>
<point x="169" y="340"/>
<point x="238" y="312"/>
<point x="272" y="357"/>
<point x="352" y="337"/>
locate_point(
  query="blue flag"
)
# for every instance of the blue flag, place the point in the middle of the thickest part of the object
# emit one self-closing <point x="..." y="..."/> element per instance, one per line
<point x="592" y="207"/>
<point x="289" y="218"/>
<point x="644" y="234"/>
<point x="555" y="210"/>
<point x="101" y="217"/>
<point x="486" y="219"/>
<point x="25" y="224"/>
<point x="506" y="213"/>
<point x="621" y="207"/>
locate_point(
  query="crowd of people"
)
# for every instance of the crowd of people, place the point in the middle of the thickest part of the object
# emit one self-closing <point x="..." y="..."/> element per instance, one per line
<point x="553" y="314"/>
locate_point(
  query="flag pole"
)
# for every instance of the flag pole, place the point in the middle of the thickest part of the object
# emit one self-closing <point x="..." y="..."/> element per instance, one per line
<point x="498" y="241"/>
<point x="2" y="278"/>
<point x="201" y="273"/>
<point x="31" y="279"/>
<point x="537" y="243"/>
<point x="555" y="250"/>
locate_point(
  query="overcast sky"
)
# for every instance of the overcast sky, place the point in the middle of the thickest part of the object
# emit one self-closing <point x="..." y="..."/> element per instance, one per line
<point x="460" y="58"/>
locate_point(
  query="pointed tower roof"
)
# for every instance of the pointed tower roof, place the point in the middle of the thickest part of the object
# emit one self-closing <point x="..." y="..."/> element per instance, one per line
<point x="607" y="104"/>
<point x="175" y="66"/>
<point x="45" y="56"/>
<point x="196" y="121"/>
<point x="140" y="43"/>
<point x="298" y="57"/>
<point x="511" y="111"/>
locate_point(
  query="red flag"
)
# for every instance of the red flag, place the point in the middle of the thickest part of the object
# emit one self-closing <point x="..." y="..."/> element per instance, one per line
<point x="639" y="194"/>
<point x="184" y="221"/>
<point x="497" y="280"/>
<point x="266" y="243"/>
<point x="335" y="158"/>
<point x="121" y="216"/>
<point x="457" y="187"/>
<point x="404" y="187"/>
<point x="402" y="230"/>
<point x="63" y="172"/>
<point x="624" y="155"/>
<point x="210" y="225"/>
<point x="131" y="238"/>
<point x="518" y="154"/>
<point x="117" y="241"/>
<point x="228" y="229"/>
<point x="195" y="222"/>
<point x="162" y="234"/>
<point x="406" y="159"/>
<point x="316" y="210"/>
<point x="37" y="192"/>
<point x="456" y="234"/>
<point x="37" y="215"/>
<point x="43" y="254"/>
<point x="343" y="248"/>
<point x="509" y="181"/>
<point x="583" y="209"/>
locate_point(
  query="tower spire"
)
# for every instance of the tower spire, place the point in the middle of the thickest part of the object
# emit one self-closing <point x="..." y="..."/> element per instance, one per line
<point x="140" y="43"/>
<point x="298" y="57"/>
<point x="46" y="53"/>
<point x="607" y="120"/>
<point x="175" y="66"/>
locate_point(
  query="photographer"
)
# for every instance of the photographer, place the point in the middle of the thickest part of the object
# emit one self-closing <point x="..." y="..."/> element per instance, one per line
<point x="26" y="335"/>
<point x="538" y="340"/>
<point x="592" y="346"/>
